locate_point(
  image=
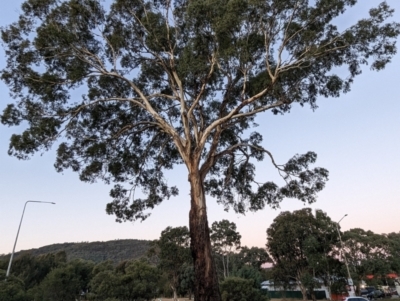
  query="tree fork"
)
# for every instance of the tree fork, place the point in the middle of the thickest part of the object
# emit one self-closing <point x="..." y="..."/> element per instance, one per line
<point x="206" y="279"/>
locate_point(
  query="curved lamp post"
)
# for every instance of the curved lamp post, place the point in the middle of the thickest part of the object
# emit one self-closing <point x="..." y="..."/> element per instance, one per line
<point x="15" y="243"/>
<point x="349" y="280"/>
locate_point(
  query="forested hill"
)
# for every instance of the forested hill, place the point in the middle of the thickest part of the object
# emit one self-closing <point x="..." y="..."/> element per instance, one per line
<point x="115" y="250"/>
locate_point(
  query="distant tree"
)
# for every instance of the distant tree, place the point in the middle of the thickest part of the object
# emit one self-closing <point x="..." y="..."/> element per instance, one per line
<point x="225" y="239"/>
<point x="134" y="89"/>
<point x="172" y="252"/>
<point x="367" y="253"/>
<point x="300" y="244"/>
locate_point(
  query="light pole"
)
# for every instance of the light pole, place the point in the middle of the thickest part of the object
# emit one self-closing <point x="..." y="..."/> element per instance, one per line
<point x="349" y="280"/>
<point x="15" y="243"/>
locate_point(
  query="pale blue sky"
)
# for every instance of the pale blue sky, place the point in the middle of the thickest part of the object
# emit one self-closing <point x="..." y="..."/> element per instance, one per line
<point x="356" y="138"/>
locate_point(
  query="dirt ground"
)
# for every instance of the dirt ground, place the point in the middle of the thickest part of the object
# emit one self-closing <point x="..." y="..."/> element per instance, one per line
<point x="186" y="299"/>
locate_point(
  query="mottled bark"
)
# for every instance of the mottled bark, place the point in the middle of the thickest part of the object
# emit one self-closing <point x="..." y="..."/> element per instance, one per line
<point x="206" y="281"/>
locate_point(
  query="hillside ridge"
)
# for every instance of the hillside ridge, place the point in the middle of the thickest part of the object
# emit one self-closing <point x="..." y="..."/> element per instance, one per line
<point x="116" y="250"/>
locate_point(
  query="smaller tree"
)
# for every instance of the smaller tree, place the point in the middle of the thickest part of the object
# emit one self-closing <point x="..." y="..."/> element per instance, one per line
<point x="224" y="239"/>
<point x="171" y="252"/>
<point x="301" y="246"/>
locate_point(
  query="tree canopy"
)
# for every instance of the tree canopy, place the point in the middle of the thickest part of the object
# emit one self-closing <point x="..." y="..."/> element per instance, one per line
<point x="131" y="90"/>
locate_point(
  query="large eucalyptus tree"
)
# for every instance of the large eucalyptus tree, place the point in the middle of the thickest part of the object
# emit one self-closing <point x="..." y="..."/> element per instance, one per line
<point x="130" y="90"/>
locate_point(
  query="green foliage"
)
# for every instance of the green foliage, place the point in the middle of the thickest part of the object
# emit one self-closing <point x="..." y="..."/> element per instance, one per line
<point x="250" y="273"/>
<point x="51" y="277"/>
<point x="104" y="285"/>
<point x="239" y="289"/>
<point x="60" y="284"/>
<point x="12" y="290"/>
<point x="302" y="246"/>
<point x="186" y="279"/>
<point x="132" y="280"/>
<point x="33" y="269"/>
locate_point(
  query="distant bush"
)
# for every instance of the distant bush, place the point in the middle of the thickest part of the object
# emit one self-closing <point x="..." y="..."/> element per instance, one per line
<point x="239" y="289"/>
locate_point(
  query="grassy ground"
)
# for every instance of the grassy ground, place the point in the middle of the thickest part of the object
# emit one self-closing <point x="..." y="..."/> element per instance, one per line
<point x="186" y="299"/>
<point x="171" y="299"/>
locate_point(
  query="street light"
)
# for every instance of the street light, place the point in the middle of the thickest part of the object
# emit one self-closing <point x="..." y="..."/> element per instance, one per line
<point x="349" y="280"/>
<point x="15" y="243"/>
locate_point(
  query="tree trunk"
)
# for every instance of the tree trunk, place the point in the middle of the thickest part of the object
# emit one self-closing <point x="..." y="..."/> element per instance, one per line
<point x="175" y="293"/>
<point x="174" y="286"/>
<point x="227" y="265"/>
<point x="223" y="264"/>
<point x="303" y="289"/>
<point x="206" y="286"/>
<point x="329" y="287"/>
<point x="303" y="292"/>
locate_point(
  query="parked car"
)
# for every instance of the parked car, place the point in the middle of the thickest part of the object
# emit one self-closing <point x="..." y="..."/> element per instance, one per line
<point x="355" y="298"/>
<point x="376" y="294"/>
<point x="365" y="291"/>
